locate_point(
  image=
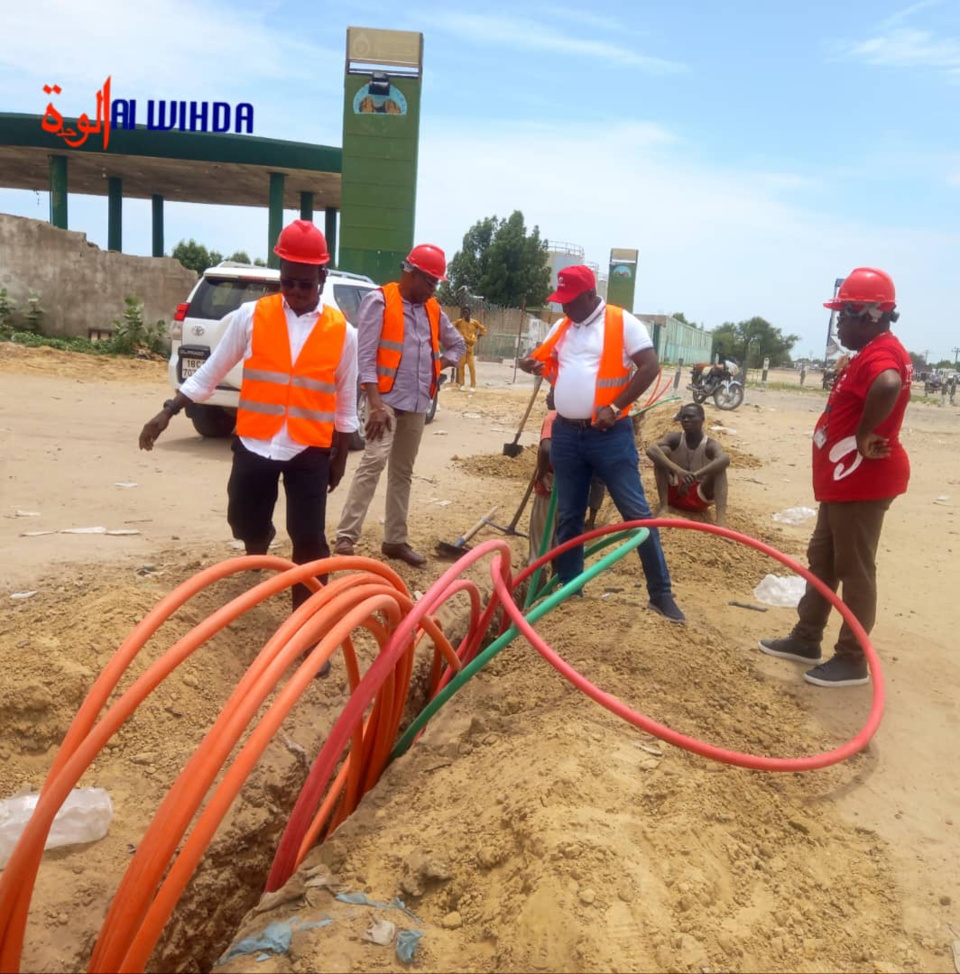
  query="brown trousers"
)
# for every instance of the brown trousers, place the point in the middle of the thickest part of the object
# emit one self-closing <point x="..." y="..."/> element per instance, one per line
<point x="843" y="548"/>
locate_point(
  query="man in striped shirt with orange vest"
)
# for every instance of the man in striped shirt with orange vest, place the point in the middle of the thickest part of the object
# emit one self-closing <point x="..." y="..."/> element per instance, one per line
<point x="402" y="330"/>
<point x="599" y="359"/>
<point x="297" y="404"/>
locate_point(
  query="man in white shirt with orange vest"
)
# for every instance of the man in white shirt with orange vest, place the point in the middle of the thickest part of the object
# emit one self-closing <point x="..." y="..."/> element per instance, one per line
<point x="600" y="359"/>
<point x="402" y="329"/>
<point x="298" y="402"/>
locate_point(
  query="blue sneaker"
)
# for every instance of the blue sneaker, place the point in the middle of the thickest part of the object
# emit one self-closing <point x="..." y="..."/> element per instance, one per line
<point x="841" y="671"/>
<point x="669" y="609"/>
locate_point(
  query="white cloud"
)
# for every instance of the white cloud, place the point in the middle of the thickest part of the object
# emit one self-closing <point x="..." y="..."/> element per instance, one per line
<point x="786" y="181"/>
<point x="897" y="18"/>
<point x="904" y="47"/>
<point x="166" y="49"/>
<point x="589" y="18"/>
<point x="717" y="244"/>
<point x="526" y="34"/>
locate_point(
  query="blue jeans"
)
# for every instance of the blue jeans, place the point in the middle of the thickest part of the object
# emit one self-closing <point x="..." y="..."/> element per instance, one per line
<point x="576" y="455"/>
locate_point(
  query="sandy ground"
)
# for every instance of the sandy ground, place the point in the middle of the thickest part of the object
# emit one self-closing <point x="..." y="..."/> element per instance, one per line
<point x="583" y="851"/>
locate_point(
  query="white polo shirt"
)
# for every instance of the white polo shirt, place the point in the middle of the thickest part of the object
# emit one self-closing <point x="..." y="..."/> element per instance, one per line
<point x="578" y="356"/>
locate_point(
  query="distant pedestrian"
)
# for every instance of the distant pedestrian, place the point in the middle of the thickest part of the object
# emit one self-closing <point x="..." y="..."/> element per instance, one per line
<point x="803" y="373"/>
<point x="471" y="330"/>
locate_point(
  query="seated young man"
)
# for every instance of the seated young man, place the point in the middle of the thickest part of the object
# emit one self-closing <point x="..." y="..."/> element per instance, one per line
<point x="691" y="467"/>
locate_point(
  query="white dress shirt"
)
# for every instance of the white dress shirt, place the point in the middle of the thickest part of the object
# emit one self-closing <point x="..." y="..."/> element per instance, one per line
<point x="237" y="345"/>
<point x="578" y="356"/>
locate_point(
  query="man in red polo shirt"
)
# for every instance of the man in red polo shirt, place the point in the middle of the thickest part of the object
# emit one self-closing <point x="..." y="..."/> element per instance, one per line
<point x="859" y="467"/>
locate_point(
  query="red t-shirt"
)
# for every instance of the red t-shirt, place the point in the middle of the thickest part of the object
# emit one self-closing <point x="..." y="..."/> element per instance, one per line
<point x="840" y="473"/>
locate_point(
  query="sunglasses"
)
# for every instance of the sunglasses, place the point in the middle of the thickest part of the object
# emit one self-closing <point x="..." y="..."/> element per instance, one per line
<point x="429" y="278"/>
<point x="295" y="284"/>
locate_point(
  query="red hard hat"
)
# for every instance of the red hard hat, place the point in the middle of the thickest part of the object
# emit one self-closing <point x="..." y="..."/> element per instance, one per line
<point x="302" y="243"/>
<point x="429" y="259"/>
<point x="865" y="285"/>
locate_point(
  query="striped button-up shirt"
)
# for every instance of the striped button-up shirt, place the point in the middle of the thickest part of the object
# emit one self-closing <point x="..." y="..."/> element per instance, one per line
<point x="411" y="388"/>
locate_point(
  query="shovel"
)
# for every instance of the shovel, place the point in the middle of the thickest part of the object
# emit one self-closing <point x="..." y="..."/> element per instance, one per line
<point x="511" y="528"/>
<point x="514" y="449"/>
<point x="460" y="546"/>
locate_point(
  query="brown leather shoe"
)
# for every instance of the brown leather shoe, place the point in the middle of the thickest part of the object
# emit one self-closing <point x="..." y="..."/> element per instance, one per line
<point x="344" y="546"/>
<point x="404" y="553"/>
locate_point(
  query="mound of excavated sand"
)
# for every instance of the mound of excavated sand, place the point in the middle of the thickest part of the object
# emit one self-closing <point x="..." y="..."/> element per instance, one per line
<point x="531" y="830"/>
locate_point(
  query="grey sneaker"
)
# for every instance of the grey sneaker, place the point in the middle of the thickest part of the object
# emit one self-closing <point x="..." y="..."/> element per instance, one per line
<point x="792" y="648"/>
<point x="841" y="671"/>
<point x="669" y="609"/>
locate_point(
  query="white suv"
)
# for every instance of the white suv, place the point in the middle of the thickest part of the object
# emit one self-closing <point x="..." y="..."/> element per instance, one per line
<point x="200" y="322"/>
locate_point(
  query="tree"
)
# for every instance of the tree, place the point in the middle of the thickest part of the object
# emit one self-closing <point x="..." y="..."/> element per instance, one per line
<point x="194" y="256"/>
<point x="240" y="256"/>
<point x="679" y="316"/>
<point x="501" y="262"/>
<point x="754" y="340"/>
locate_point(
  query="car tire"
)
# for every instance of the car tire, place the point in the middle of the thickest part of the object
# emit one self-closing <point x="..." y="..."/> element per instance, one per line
<point x="213" y="422"/>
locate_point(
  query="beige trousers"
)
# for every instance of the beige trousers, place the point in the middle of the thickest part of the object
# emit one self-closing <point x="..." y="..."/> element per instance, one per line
<point x="843" y="549"/>
<point x="398" y="447"/>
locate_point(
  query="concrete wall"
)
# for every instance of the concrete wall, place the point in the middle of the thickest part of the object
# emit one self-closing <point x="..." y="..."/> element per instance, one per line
<point x="81" y="286"/>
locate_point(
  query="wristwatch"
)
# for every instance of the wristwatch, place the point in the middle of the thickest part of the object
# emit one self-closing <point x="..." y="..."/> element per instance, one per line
<point x="171" y="407"/>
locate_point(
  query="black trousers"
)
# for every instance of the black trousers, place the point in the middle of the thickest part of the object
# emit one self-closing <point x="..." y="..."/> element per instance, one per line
<point x="252" y="496"/>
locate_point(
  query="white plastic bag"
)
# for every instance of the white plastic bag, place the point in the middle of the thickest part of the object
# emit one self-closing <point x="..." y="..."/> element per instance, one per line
<point x="783" y="591"/>
<point x="84" y="817"/>
<point x="795" y="515"/>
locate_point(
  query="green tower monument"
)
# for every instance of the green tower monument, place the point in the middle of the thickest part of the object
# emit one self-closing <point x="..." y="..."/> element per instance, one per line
<point x="381" y="131"/>
<point x="623" y="277"/>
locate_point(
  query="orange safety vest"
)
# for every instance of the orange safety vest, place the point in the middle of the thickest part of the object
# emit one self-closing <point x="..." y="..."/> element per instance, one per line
<point x="390" y="349"/>
<point x="302" y="394"/>
<point x="612" y="376"/>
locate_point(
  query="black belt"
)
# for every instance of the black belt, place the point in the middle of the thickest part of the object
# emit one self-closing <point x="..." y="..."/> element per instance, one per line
<point x="580" y="424"/>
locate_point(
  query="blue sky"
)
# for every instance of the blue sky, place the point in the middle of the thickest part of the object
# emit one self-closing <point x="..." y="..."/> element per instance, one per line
<point x="752" y="151"/>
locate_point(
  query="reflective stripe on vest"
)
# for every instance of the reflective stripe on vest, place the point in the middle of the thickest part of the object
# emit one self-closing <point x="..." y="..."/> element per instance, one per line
<point x="301" y="394"/>
<point x="390" y="346"/>
<point x="612" y="376"/>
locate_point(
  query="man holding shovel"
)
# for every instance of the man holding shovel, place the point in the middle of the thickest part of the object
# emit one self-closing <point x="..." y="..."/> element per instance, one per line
<point x="600" y="359"/>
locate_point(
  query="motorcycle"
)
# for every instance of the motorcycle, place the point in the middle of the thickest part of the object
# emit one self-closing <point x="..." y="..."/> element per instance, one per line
<point x="720" y="381"/>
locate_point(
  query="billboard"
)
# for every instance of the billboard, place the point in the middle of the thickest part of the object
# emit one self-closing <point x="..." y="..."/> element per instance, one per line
<point x="834" y="349"/>
<point x="381" y="133"/>
<point x="622" y="281"/>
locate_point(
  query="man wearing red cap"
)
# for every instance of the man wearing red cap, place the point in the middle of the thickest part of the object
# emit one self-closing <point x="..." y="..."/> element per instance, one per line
<point x="297" y="405"/>
<point x="859" y="467"/>
<point x="599" y="359"/>
<point x="402" y="329"/>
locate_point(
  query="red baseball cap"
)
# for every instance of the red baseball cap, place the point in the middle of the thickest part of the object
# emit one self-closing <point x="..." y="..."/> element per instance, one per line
<point x="572" y="282"/>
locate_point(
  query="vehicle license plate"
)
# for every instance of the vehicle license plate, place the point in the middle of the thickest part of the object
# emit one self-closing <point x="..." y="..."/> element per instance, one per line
<point x="190" y="360"/>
